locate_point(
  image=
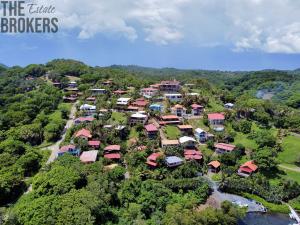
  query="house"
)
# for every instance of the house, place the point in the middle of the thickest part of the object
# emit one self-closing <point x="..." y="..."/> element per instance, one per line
<point x="72" y="90"/>
<point x="91" y="99"/>
<point x="112" y="152"/>
<point x="197" y="110"/>
<point x="120" y="92"/>
<point x="185" y="129"/>
<point x="187" y="142"/>
<point x="149" y="92"/>
<point x="193" y="94"/>
<point x="221" y="148"/>
<point x="88" y="109"/>
<point x="247" y="169"/>
<point x="201" y="135"/>
<point x="70" y="149"/>
<point x="156" y="107"/>
<point x="192" y="154"/>
<point x="169" y="86"/>
<point x="173" y="97"/>
<point x="107" y="82"/>
<point x="216" y="118"/>
<point x="132" y="109"/>
<point x="72" y="84"/>
<point x="214" y="166"/>
<point x="71" y="99"/>
<point x="229" y="106"/>
<point x="178" y="110"/>
<point x="138" y="118"/>
<point x="81" y="120"/>
<point x="151" y="130"/>
<point x="173" y="161"/>
<point x="89" y="157"/>
<point x="169" y="143"/>
<point x="94" y="144"/>
<point x="169" y="119"/>
<point x="141" y="103"/>
<point x="152" y="159"/>
<point x="98" y="91"/>
<point x="83" y="133"/>
<point x="123" y="101"/>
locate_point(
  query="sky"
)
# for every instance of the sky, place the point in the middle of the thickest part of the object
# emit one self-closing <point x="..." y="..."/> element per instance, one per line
<point x="187" y="34"/>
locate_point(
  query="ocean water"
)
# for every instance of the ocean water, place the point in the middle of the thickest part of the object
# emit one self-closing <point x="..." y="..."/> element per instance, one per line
<point x="266" y="219"/>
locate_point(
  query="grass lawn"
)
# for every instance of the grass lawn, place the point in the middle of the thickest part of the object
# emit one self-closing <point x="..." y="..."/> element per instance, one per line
<point x="172" y="132"/>
<point x="292" y="175"/>
<point x="241" y="138"/>
<point x="291" y="150"/>
<point x="215" y="106"/>
<point x="119" y="117"/>
<point x="198" y="123"/>
<point x="206" y="151"/>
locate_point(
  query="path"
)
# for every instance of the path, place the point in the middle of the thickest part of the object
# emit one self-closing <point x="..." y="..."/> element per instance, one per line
<point x="295" y="169"/>
<point x="55" y="147"/>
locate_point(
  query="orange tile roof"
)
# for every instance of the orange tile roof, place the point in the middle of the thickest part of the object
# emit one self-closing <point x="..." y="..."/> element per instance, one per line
<point x="215" y="164"/>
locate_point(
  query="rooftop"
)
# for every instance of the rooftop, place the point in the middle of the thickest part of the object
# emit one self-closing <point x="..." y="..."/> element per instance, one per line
<point x="170" y="142"/>
<point x="83" y="132"/>
<point x="112" y="148"/>
<point x="89" y="156"/>
<point x="215" y="164"/>
<point x="216" y="116"/>
<point x="227" y="147"/>
<point x="151" y="128"/>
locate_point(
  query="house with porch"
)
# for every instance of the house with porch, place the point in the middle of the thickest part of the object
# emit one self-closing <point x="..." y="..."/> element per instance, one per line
<point x="169" y="119"/>
<point x="214" y="166"/>
<point x="88" y="109"/>
<point x="169" y="86"/>
<point x="141" y="103"/>
<point x="178" y="110"/>
<point x="123" y="101"/>
<point x="169" y="143"/>
<point x="138" y="118"/>
<point x="221" y="148"/>
<point x="187" y="142"/>
<point x="197" y="110"/>
<point x="173" y="97"/>
<point x="247" y="169"/>
<point x="186" y="130"/>
<point x="151" y="131"/>
<point x="149" y="92"/>
<point x="216" y="119"/>
<point x="201" y="135"/>
<point x="98" y="91"/>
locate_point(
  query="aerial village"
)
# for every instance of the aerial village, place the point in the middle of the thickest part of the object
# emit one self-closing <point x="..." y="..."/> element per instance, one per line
<point x="155" y="113"/>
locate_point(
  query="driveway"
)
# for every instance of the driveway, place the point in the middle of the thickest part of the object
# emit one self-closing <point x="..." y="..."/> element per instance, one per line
<point x="55" y="147"/>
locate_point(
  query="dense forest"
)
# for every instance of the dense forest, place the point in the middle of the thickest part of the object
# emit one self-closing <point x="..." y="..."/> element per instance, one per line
<point x="33" y="116"/>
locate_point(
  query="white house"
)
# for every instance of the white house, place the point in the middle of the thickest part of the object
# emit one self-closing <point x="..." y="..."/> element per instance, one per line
<point x="123" y="101"/>
<point x="174" y="97"/>
<point x="97" y="91"/>
<point x="229" y="106"/>
<point x="187" y="141"/>
<point x="173" y="161"/>
<point x="138" y="118"/>
<point x="88" y="109"/>
<point x="201" y="135"/>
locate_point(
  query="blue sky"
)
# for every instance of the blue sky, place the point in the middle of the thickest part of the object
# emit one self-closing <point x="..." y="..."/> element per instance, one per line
<point x="190" y="34"/>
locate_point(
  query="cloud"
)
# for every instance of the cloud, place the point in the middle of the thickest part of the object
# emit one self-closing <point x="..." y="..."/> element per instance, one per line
<point x="271" y="26"/>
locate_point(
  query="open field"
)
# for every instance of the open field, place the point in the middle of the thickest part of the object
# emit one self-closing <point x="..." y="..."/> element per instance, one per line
<point x="291" y="150"/>
<point x="172" y="132"/>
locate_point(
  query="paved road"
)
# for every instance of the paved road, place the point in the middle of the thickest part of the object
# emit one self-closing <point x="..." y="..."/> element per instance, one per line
<point x="55" y="147"/>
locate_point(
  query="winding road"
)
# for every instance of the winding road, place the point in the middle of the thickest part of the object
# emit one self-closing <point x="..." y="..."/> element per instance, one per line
<point x="55" y="147"/>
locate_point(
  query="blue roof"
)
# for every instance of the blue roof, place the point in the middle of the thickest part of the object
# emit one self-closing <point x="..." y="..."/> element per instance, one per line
<point x="173" y="159"/>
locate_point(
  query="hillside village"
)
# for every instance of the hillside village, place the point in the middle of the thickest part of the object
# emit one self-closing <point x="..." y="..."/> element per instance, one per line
<point x="122" y="148"/>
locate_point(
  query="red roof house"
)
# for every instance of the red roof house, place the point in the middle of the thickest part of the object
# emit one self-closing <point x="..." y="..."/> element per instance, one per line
<point x="216" y="118"/>
<point x="89" y="156"/>
<point x="94" y="144"/>
<point x="111" y="148"/>
<point x="83" y="133"/>
<point x="192" y="154"/>
<point x="247" y="168"/>
<point x="112" y="156"/>
<point x="214" y="166"/>
<point x="151" y="130"/>
<point x="224" y="148"/>
<point x="152" y="159"/>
